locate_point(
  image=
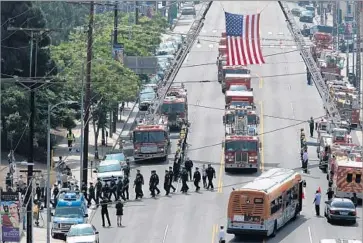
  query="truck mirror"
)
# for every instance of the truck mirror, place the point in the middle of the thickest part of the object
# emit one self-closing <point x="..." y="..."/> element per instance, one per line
<point x="224" y="119"/>
<point x="251" y="89"/>
<point x="223" y="144"/>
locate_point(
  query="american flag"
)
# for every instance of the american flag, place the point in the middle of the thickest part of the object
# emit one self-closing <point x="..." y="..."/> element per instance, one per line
<point x="243" y="39"/>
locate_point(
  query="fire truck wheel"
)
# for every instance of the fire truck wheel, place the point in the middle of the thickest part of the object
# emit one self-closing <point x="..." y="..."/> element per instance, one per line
<point x="275" y="230"/>
<point x="227" y="170"/>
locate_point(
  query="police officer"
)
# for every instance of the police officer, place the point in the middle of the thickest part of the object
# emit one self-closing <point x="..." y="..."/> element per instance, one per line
<point x="98" y="190"/>
<point x="197" y="177"/>
<point x="92" y="194"/>
<point x="38" y="191"/>
<point x="189" y="166"/>
<point x="104" y="212"/>
<point x="55" y="195"/>
<point x="125" y="188"/>
<point x="127" y="169"/>
<point x="138" y="182"/>
<point x="119" y="188"/>
<point x="76" y="188"/>
<point x="311" y="126"/>
<point x="211" y="173"/>
<point x="167" y="182"/>
<point x="105" y="190"/>
<point x="171" y="177"/>
<point x="84" y="190"/>
<point x="184" y="177"/>
<point x="113" y="188"/>
<point x="153" y="183"/>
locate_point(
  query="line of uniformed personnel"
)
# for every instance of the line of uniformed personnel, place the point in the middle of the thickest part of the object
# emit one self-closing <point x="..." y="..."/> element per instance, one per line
<point x="118" y="188"/>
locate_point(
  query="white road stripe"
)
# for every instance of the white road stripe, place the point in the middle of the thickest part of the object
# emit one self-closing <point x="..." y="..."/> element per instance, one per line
<point x="310" y="237"/>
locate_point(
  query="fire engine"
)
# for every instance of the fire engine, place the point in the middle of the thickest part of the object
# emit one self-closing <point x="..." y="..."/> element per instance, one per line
<point x="175" y="107"/>
<point x="239" y="98"/>
<point x="341" y="135"/>
<point x="241" y="145"/>
<point x="151" y="141"/>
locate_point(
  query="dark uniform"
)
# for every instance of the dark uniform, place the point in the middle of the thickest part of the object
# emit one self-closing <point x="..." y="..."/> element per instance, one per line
<point x="98" y="190"/>
<point x="92" y="194"/>
<point x="330" y="193"/>
<point x="197" y="177"/>
<point x="38" y="191"/>
<point x="105" y="191"/>
<point x="138" y="182"/>
<point x="153" y="183"/>
<point x="184" y="178"/>
<point x="104" y="212"/>
<point x="171" y="177"/>
<point x="55" y="195"/>
<point x="84" y="190"/>
<point x="119" y="188"/>
<point x="189" y="166"/>
<point x="125" y="189"/>
<point x="113" y="189"/>
<point x="311" y="126"/>
<point x="167" y="182"/>
<point x="126" y="169"/>
<point x="211" y="173"/>
<point x="176" y="170"/>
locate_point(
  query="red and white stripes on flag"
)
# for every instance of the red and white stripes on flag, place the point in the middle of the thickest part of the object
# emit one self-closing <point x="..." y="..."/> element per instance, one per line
<point x="245" y="48"/>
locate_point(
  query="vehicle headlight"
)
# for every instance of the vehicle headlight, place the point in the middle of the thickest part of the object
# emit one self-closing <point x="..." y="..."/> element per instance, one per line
<point x="161" y="149"/>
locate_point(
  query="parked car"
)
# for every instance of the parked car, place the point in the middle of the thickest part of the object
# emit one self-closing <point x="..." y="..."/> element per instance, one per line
<point x="306" y="17"/>
<point x="296" y="12"/>
<point x="188" y="11"/>
<point x="109" y="170"/>
<point x="117" y="156"/>
<point x="83" y="233"/>
<point x="340" y="209"/>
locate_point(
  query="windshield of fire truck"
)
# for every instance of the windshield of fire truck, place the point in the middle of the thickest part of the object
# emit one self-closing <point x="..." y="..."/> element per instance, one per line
<point x="235" y="71"/>
<point x="149" y="136"/>
<point x="173" y="108"/>
<point x="241" y="145"/>
<point x="240" y="103"/>
<point x="252" y="119"/>
<point x="339" y="133"/>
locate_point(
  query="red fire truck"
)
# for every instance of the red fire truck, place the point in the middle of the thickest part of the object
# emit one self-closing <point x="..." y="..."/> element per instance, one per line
<point x="151" y="141"/>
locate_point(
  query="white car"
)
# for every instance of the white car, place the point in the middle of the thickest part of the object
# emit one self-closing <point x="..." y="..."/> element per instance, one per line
<point x="83" y="233"/>
<point x="109" y="170"/>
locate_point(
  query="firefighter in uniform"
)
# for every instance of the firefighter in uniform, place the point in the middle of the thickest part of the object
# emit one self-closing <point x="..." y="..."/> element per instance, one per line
<point x="211" y="173"/>
<point x="70" y="139"/>
<point x="311" y="126"/>
<point x="138" y="182"/>
<point x="119" y="188"/>
<point x="171" y="177"/>
<point x="189" y="166"/>
<point x="98" y="191"/>
<point x="91" y="194"/>
<point x="84" y="190"/>
<point x="125" y="189"/>
<point x="153" y="183"/>
<point x="184" y="177"/>
<point x="197" y="177"/>
<point x="167" y="182"/>
<point x="113" y="188"/>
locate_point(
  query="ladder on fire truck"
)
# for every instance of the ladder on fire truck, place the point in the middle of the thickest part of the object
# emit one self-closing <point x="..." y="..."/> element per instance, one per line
<point x="323" y="90"/>
<point x="152" y="115"/>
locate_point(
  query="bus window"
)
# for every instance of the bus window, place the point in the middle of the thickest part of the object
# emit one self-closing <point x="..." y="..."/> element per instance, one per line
<point x="349" y="177"/>
<point x="358" y="178"/>
<point x="276" y="205"/>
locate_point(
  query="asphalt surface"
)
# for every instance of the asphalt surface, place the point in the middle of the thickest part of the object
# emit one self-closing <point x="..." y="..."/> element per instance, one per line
<point x="286" y="103"/>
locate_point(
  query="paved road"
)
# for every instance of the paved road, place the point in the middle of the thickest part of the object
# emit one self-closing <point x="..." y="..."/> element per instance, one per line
<point x="194" y="217"/>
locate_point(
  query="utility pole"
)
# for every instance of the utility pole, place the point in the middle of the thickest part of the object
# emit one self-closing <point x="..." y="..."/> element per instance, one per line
<point x="358" y="9"/>
<point x="114" y="114"/>
<point x="32" y="87"/>
<point x="87" y="102"/>
<point x="136" y="12"/>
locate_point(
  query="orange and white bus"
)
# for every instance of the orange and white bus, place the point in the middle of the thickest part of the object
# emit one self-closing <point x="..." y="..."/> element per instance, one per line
<point x="266" y="204"/>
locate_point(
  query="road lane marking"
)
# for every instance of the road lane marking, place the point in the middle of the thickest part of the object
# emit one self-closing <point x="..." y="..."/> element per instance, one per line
<point x="214" y="232"/>
<point x="165" y="233"/>
<point x="220" y="174"/>
<point x="260" y="81"/>
<point x="262" y="154"/>
<point x="310" y="237"/>
<point x="293" y="111"/>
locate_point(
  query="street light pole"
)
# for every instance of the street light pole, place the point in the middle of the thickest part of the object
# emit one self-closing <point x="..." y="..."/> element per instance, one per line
<point x="50" y="108"/>
<point x="82" y="127"/>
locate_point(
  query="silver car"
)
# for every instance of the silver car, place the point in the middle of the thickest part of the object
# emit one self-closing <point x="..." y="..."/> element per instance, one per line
<point x="340" y="209"/>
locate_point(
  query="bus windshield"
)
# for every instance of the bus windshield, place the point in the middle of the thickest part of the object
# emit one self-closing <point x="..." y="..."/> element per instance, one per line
<point x="241" y="145"/>
<point x="173" y="108"/>
<point x="149" y="136"/>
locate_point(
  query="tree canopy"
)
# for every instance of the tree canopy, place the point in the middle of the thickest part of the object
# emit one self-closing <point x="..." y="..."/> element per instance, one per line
<point x="64" y="63"/>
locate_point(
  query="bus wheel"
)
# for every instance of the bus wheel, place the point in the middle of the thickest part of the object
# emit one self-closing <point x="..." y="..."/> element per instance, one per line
<point x="275" y="230"/>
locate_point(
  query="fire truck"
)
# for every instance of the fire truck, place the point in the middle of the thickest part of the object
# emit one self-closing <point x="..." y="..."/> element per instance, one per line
<point x="241" y="145"/>
<point x="341" y="135"/>
<point x="151" y="141"/>
<point x="175" y="107"/>
<point x="239" y="98"/>
<point x="346" y="98"/>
